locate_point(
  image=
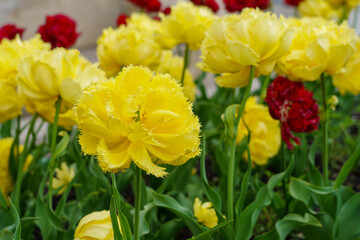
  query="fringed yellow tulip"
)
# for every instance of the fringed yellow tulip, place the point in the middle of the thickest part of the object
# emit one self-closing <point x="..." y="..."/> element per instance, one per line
<point x="265" y="132"/>
<point x="52" y="74"/>
<point x="235" y="42"/>
<point x="10" y="104"/>
<point x="319" y="8"/>
<point x="138" y="117"/>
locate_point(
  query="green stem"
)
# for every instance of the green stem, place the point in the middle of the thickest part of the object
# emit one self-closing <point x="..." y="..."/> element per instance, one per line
<point x="231" y="167"/>
<point x="283" y="168"/>
<point x="264" y="88"/>
<point x="137" y="203"/>
<point x="186" y="62"/>
<point x="344" y="15"/>
<point x="22" y="158"/>
<point x="325" y="131"/>
<point x="52" y="163"/>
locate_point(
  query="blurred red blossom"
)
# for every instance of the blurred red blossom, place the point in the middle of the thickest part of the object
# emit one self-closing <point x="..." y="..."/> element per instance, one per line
<point x="148" y="5"/>
<point x="293" y="2"/>
<point x="9" y="31"/>
<point x="294" y="106"/>
<point x="209" y="3"/>
<point x="121" y="20"/>
<point x="238" y="5"/>
<point x="59" y="30"/>
<point x="166" y="10"/>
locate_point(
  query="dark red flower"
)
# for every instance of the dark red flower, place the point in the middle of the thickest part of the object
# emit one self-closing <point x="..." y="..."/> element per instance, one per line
<point x="121" y="20"/>
<point x="59" y="30"/>
<point x="148" y="5"/>
<point x="212" y="4"/>
<point x="293" y="2"/>
<point x="167" y="10"/>
<point x="238" y="5"/>
<point x="9" y="31"/>
<point x="294" y="106"/>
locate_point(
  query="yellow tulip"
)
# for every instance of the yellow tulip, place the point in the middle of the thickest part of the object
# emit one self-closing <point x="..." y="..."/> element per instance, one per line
<point x="235" y="42"/>
<point x="95" y="226"/>
<point x="45" y="77"/>
<point x="205" y="214"/>
<point x="319" y="8"/>
<point x="173" y="65"/>
<point x="10" y="104"/>
<point x="265" y="132"/>
<point x="64" y="175"/>
<point x="319" y="45"/>
<point x="187" y="23"/>
<point x="138" y="117"/>
<point x="6" y="182"/>
<point x="127" y="45"/>
<point x="348" y="80"/>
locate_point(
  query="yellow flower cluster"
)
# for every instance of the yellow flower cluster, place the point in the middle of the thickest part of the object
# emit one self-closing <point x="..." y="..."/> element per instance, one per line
<point x="95" y="226"/>
<point x="45" y="77"/>
<point x="187" y="23"/>
<point x="318" y="46"/>
<point x="138" y="116"/>
<point x="235" y="42"/>
<point x="6" y="182"/>
<point x="205" y="214"/>
<point x="265" y="133"/>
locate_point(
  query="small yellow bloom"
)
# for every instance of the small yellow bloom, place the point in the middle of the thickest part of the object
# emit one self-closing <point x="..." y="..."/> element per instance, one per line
<point x="205" y="214"/>
<point x="50" y="74"/>
<point x="333" y="101"/>
<point x="64" y="176"/>
<point x="140" y="117"/>
<point x="319" y="8"/>
<point x="265" y="133"/>
<point x="95" y="226"/>
<point x="235" y="42"/>
<point x="124" y="46"/>
<point x="173" y="65"/>
<point x="187" y="23"/>
<point x="10" y="104"/>
<point x="6" y="182"/>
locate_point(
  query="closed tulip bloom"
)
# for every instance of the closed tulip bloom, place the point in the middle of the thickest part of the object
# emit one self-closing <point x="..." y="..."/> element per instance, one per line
<point x="6" y="182"/>
<point x="10" y="104"/>
<point x="205" y="213"/>
<point x="187" y="23"/>
<point x="173" y="65"/>
<point x="52" y="74"/>
<point x="64" y="175"/>
<point x="265" y="132"/>
<point x="348" y="80"/>
<point x="140" y="117"/>
<point x="124" y="46"/>
<point x="95" y="226"/>
<point x="236" y="42"/>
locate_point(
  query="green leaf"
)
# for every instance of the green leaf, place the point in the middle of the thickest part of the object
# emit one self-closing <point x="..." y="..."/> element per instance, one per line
<point x="346" y="168"/>
<point x="62" y="145"/>
<point x="245" y="181"/>
<point x="17" y="234"/>
<point x="171" y="204"/>
<point x="212" y="195"/>
<point x="3" y="202"/>
<point x="144" y="225"/>
<point x="114" y="220"/>
<point x="169" y="229"/>
<point x="230" y="120"/>
<point x="206" y="234"/>
<point x="246" y="221"/>
<point x="290" y="222"/>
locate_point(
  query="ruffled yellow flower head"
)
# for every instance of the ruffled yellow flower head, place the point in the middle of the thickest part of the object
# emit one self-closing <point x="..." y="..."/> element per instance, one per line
<point x="64" y="175"/>
<point x="187" y="23"/>
<point x="348" y="80"/>
<point x="173" y="65"/>
<point x="265" y="132"/>
<point x="205" y="214"/>
<point x="10" y="104"/>
<point x="124" y="46"/>
<point x="319" y="45"/>
<point x="6" y="182"/>
<point x="140" y="117"/>
<point x="235" y="42"/>
<point x="52" y="74"/>
<point x="319" y="8"/>
<point x="95" y="226"/>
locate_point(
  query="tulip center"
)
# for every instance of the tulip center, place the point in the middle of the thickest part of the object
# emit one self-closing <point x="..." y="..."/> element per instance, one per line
<point x="284" y="111"/>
